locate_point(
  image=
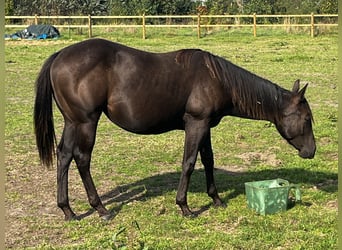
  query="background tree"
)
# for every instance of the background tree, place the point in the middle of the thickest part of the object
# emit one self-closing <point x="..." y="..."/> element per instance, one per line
<point x="257" y="6"/>
<point x="327" y="7"/>
<point x="169" y="7"/>
<point x="57" y="7"/>
<point x="221" y="7"/>
<point x="9" y="7"/>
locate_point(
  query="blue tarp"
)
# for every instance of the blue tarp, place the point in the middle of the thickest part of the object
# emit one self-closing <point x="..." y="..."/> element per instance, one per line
<point x="40" y="31"/>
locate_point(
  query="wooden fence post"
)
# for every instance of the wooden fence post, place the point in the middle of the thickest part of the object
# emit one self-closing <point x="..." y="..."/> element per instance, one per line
<point x="312" y="30"/>
<point x="254" y="25"/>
<point x="35" y="19"/>
<point x="90" y="33"/>
<point x="143" y="26"/>
<point x="199" y="25"/>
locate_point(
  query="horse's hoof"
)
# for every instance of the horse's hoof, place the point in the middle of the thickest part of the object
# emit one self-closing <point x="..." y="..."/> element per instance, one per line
<point x="189" y="214"/>
<point x="108" y="216"/>
<point x="192" y="215"/>
<point x="222" y="205"/>
<point x="219" y="203"/>
<point x="73" y="217"/>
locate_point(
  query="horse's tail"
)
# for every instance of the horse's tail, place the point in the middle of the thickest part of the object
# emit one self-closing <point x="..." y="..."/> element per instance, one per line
<point x="43" y="115"/>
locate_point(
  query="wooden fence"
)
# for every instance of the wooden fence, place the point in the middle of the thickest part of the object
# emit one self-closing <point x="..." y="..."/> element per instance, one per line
<point x="189" y="21"/>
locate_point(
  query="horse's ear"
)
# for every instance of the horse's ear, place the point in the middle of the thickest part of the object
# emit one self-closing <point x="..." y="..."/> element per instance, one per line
<point x="302" y="91"/>
<point x="295" y="87"/>
<point x="298" y="94"/>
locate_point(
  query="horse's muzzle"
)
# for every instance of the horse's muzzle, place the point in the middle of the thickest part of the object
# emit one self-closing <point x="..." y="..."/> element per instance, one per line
<point x="307" y="154"/>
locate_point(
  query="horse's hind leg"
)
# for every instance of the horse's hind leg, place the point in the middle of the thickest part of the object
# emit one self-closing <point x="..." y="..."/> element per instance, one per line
<point x="84" y="143"/>
<point x="77" y="142"/>
<point x="64" y="157"/>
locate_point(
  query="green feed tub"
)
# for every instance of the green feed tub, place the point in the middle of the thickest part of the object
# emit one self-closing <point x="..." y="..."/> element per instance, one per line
<point x="270" y="196"/>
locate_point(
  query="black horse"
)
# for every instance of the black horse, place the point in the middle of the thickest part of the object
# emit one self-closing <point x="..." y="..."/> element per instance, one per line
<point x="152" y="93"/>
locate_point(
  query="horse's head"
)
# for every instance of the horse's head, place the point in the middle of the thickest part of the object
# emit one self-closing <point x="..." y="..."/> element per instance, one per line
<point x="295" y="123"/>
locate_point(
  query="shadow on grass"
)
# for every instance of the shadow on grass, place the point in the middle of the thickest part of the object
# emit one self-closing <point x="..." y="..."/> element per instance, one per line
<point x="157" y="185"/>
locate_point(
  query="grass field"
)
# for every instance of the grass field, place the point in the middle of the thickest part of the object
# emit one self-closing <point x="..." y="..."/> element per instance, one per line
<point x="137" y="176"/>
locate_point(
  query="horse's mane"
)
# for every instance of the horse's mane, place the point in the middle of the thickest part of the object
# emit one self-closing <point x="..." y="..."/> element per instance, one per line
<point x="254" y="96"/>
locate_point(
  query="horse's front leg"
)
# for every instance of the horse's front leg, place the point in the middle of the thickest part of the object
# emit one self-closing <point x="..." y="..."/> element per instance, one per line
<point x="207" y="159"/>
<point x="195" y="132"/>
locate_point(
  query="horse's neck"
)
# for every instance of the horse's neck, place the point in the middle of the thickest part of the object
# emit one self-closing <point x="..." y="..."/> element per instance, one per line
<point x="252" y="96"/>
<point x="259" y="99"/>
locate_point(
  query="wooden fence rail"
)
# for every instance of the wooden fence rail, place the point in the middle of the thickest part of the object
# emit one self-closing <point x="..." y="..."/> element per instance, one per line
<point x="193" y="21"/>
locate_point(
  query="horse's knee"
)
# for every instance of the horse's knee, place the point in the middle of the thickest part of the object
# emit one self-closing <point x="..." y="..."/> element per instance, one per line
<point x="189" y="167"/>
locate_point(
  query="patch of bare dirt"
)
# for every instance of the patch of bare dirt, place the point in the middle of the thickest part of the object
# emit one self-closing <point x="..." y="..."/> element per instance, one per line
<point x="332" y="204"/>
<point x="267" y="158"/>
<point x="32" y="216"/>
<point x="233" y="169"/>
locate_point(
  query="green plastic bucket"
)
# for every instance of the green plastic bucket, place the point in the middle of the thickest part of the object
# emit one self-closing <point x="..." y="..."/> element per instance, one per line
<point x="270" y="196"/>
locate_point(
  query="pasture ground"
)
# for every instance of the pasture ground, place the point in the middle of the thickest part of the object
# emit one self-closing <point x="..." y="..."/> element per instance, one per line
<point x="137" y="176"/>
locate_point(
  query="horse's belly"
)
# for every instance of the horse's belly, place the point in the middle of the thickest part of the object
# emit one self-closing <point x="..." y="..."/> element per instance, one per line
<point x="145" y="119"/>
